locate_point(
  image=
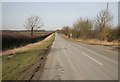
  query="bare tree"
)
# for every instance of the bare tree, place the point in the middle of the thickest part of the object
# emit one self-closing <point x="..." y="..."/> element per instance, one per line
<point x="66" y="30"/>
<point x="103" y="22"/>
<point x="103" y="18"/>
<point x="83" y="28"/>
<point x="33" y="23"/>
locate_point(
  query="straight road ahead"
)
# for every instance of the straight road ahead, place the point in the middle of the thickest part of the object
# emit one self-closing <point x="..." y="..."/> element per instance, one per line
<point x="70" y="60"/>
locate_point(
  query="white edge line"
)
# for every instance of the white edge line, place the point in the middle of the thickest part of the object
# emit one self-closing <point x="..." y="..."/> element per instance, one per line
<point x="91" y="58"/>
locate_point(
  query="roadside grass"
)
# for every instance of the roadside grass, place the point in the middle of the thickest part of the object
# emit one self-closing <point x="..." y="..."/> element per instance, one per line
<point x="14" y="65"/>
<point x="98" y="42"/>
<point x="94" y="41"/>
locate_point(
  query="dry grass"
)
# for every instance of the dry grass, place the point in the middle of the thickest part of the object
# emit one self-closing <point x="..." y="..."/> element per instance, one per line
<point x="94" y="41"/>
<point x="98" y="42"/>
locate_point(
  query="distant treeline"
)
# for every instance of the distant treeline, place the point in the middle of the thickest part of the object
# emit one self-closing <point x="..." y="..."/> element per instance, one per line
<point x="99" y="28"/>
<point x="23" y="31"/>
<point x="107" y="34"/>
<point x="16" y="39"/>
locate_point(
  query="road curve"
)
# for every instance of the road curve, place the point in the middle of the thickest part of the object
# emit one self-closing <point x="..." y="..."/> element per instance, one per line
<point x="70" y="60"/>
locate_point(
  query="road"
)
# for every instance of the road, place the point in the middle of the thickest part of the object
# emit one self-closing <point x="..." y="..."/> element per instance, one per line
<point x="69" y="60"/>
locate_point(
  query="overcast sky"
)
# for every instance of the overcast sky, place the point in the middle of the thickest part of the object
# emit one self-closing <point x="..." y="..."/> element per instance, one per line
<point x="54" y="15"/>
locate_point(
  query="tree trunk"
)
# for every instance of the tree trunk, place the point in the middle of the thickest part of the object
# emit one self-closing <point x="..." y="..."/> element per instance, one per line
<point x="32" y="32"/>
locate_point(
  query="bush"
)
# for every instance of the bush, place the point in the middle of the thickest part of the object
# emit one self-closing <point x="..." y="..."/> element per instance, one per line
<point x="15" y="39"/>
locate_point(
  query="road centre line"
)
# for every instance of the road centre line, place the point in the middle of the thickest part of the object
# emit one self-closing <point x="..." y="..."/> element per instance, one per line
<point x="91" y="58"/>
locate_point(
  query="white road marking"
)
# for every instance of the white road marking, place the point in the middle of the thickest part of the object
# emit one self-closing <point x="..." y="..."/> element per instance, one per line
<point x="91" y="58"/>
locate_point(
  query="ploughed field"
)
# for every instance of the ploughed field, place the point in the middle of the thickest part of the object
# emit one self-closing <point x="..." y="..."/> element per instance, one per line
<point x="13" y="39"/>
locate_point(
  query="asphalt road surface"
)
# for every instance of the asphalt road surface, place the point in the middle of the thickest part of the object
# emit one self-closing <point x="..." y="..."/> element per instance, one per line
<point x="69" y="60"/>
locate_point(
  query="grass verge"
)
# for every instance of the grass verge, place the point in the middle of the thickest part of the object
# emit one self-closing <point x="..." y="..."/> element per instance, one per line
<point x="98" y="42"/>
<point x="115" y="45"/>
<point x="14" y="65"/>
<point x="94" y="41"/>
